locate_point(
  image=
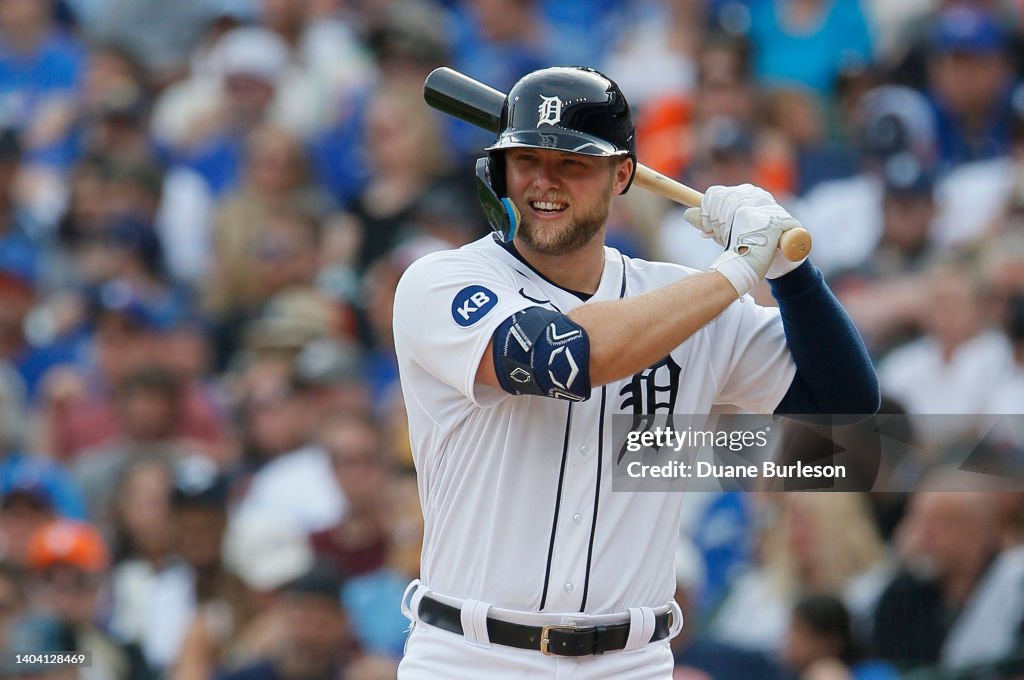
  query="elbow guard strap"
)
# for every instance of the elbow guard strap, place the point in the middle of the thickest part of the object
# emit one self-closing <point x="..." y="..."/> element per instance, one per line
<point x="542" y="352"/>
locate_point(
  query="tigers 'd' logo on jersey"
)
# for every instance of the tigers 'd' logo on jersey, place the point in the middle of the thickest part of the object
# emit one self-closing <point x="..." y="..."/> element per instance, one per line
<point x="651" y="391"/>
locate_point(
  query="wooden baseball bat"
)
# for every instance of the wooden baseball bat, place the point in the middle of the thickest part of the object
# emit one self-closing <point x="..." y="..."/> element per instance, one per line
<point x="470" y="100"/>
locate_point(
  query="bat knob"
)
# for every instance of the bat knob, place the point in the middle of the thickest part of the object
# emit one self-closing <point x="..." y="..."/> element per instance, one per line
<point x="795" y="244"/>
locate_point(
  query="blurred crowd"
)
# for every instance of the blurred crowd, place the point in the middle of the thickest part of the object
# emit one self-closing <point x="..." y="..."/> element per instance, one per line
<point x="206" y="205"/>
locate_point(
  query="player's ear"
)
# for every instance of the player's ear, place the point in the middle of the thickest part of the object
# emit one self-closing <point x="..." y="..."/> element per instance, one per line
<point x="622" y="171"/>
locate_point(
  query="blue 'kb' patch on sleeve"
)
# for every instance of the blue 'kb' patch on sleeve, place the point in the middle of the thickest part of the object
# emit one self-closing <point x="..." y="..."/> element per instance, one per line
<point x="472" y="304"/>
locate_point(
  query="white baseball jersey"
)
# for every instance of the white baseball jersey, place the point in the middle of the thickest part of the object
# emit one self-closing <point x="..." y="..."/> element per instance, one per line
<point x="516" y="490"/>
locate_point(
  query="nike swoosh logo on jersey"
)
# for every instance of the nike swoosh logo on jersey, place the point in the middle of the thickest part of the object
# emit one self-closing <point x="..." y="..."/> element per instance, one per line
<point x="522" y="291"/>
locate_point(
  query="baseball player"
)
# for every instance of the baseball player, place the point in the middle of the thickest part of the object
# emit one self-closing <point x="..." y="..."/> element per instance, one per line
<point x="514" y="352"/>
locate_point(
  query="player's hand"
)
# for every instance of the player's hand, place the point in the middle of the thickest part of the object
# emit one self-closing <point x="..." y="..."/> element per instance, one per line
<point x="753" y="245"/>
<point x="714" y="217"/>
<point x="781" y="265"/>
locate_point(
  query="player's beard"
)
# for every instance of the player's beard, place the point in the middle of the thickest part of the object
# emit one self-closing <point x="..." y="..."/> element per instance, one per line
<point x="566" y="239"/>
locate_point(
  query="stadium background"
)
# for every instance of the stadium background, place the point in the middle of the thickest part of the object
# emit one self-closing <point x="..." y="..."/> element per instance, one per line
<point x="205" y="206"/>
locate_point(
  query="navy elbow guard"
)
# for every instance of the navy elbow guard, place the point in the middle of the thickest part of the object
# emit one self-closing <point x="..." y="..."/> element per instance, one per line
<point x="542" y="352"/>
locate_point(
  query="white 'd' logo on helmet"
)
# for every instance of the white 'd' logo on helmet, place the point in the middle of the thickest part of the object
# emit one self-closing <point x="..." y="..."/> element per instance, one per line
<point x="550" y="111"/>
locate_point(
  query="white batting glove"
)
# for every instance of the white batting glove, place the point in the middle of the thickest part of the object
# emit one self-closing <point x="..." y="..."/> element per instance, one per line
<point x="717" y="210"/>
<point x="753" y="245"/>
<point x="781" y="266"/>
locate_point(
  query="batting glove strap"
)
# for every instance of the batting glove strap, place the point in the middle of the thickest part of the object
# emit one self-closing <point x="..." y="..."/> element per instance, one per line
<point x="735" y="267"/>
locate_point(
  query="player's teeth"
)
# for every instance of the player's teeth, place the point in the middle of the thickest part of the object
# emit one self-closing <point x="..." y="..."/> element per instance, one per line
<point x="543" y="205"/>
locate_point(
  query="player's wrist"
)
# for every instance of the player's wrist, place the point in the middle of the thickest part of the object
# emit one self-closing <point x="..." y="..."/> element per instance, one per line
<point x="737" y="271"/>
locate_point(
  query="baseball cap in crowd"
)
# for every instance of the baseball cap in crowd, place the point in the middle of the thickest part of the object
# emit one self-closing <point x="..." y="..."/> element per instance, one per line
<point x="250" y="51"/>
<point x="411" y="31"/>
<point x="897" y="119"/>
<point x="292" y="319"/>
<point x="327" y="362"/>
<point x="320" y="580"/>
<point x="266" y="550"/>
<point x="727" y="138"/>
<point x="42" y="483"/>
<point x="967" y="28"/>
<point x="905" y="176"/>
<point x="121" y="297"/>
<point x="69" y="543"/>
<point x="138" y="238"/>
<point x="198" y="482"/>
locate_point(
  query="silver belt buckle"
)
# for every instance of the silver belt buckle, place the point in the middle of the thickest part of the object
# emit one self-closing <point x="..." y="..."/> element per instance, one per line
<point x="544" y="636"/>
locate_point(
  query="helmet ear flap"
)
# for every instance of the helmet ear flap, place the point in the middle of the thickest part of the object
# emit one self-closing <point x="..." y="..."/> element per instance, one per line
<point x="502" y="214"/>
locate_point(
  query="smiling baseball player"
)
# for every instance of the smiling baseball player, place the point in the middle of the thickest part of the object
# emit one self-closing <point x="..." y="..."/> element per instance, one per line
<point x="514" y="353"/>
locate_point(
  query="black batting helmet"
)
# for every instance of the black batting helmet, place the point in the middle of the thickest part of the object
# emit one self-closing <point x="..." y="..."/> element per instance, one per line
<point x="568" y="108"/>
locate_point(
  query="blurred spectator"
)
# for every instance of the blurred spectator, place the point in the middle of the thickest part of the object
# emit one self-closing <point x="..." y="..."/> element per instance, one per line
<point x="820" y="644"/>
<point x="811" y="542"/>
<point x="270" y="423"/>
<point x="199" y="509"/>
<point x="331" y="378"/>
<point x="149" y="406"/>
<point x="297" y="481"/>
<point x="372" y="598"/>
<point x="496" y="42"/>
<point x="970" y="83"/>
<point x="79" y="405"/>
<point x="950" y="370"/>
<point x="357" y="544"/>
<point x="405" y="153"/>
<point x="655" y="52"/>
<point x="808" y="42"/>
<point x="154" y="601"/>
<point x="287" y="254"/>
<point x="327" y="63"/>
<point x="18" y="295"/>
<point x="130" y="23"/>
<point x="315" y="640"/>
<point x="275" y="181"/>
<point x="114" y="107"/>
<point x="24" y="472"/>
<point x="22" y="513"/>
<point x="17" y="230"/>
<point x="932" y="609"/>
<point x="697" y="656"/>
<point x="225" y="106"/>
<point x="41" y="68"/>
<point x="885" y="291"/>
<point x="1007" y="396"/>
<point x="69" y="565"/>
<point x="241" y="626"/>
<point x="407" y="39"/>
<point x="895" y="126"/>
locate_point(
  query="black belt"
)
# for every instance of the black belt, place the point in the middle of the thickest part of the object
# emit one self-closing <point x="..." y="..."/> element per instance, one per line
<point x="560" y="639"/>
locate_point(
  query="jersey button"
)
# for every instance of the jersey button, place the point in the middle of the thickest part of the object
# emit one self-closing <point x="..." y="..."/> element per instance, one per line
<point x="577" y="518"/>
<point x="569" y="587"/>
<point x="584" y="450"/>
